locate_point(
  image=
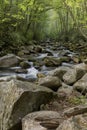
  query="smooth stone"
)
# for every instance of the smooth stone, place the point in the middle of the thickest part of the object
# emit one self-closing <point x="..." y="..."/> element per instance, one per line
<point x="72" y="75"/>
<point x="9" y="60"/>
<point x="81" y="85"/>
<point x="59" y="72"/>
<point x="51" y="82"/>
<point x="25" y="64"/>
<point x="42" y="120"/>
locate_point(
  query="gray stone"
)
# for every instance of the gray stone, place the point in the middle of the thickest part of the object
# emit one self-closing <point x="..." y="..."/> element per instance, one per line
<point x="9" y="60"/>
<point x="20" y="70"/>
<point x="23" y="52"/>
<point x="81" y="109"/>
<point x="73" y="75"/>
<point x="38" y="49"/>
<point x="65" y="91"/>
<point x="17" y="99"/>
<point x="51" y="61"/>
<point x="81" y="66"/>
<point x="51" y="82"/>
<point x="81" y="85"/>
<point x="25" y="64"/>
<point x="78" y="122"/>
<point x="59" y="72"/>
<point x="7" y="78"/>
<point x="42" y="120"/>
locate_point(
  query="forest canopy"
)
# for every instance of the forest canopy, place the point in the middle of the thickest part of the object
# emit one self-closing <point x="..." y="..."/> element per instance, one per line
<point x="25" y="20"/>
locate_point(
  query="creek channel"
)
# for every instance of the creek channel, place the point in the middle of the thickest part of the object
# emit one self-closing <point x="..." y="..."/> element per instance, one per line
<point x="56" y="52"/>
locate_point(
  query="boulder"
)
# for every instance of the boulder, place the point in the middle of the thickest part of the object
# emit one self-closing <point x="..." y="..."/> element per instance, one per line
<point x="78" y="122"/>
<point x="81" y="85"/>
<point x="72" y="75"/>
<point x="38" y="49"/>
<point x="59" y="72"/>
<point x="63" y="52"/>
<point x="23" y="52"/>
<point x="7" y="78"/>
<point x="52" y="61"/>
<point x="9" y="60"/>
<point x="25" y="64"/>
<point x="20" y="70"/>
<point x="31" y="58"/>
<point x="85" y="61"/>
<point x="51" y="82"/>
<point x="42" y="120"/>
<point x="65" y="91"/>
<point x="81" y="66"/>
<point x="75" y="59"/>
<point x="17" y="99"/>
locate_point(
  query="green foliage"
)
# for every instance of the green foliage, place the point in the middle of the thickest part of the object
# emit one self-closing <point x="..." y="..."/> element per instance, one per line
<point x="78" y="100"/>
<point x="24" y="20"/>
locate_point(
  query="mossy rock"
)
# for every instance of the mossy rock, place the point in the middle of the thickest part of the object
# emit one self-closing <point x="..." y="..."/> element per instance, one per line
<point x="25" y="64"/>
<point x="52" y="62"/>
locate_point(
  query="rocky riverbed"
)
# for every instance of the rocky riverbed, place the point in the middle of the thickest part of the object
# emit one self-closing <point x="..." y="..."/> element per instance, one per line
<point x="43" y="87"/>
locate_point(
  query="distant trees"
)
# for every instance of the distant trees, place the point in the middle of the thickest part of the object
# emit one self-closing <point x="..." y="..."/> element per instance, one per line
<point x="22" y="20"/>
<point x="73" y="16"/>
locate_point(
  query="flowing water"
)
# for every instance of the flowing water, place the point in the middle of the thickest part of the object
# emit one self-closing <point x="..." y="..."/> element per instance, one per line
<point x="33" y="70"/>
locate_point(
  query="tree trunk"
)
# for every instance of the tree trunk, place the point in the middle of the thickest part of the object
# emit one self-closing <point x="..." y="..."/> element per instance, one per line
<point x="75" y="21"/>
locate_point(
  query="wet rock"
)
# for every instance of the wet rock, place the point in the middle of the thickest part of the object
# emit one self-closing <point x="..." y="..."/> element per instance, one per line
<point x="27" y="78"/>
<point x="72" y="75"/>
<point x="75" y="59"/>
<point x="9" y="60"/>
<point x="64" y="59"/>
<point x="42" y="55"/>
<point x="51" y="61"/>
<point x="17" y="99"/>
<point x="42" y="120"/>
<point x="49" y="52"/>
<point x="7" y="78"/>
<point x="63" y="52"/>
<point x="23" y="52"/>
<point x="31" y="58"/>
<point x="74" y="123"/>
<point x="51" y="82"/>
<point x="81" y="85"/>
<point x="25" y="64"/>
<point x="38" y="49"/>
<point x="41" y="75"/>
<point x="20" y="53"/>
<point x="20" y="70"/>
<point x="59" y="72"/>
<point x="38" y="64"/>
<point x="30" y="47"/>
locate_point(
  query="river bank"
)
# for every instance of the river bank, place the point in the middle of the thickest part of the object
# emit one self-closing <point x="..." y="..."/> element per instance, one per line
<point x="58" y="90"/>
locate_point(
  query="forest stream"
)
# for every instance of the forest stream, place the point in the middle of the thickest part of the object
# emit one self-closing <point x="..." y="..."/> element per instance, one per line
<point x="43" y="64"/>
<point x="36" y="66"/>
<point x="43" y="87"/>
